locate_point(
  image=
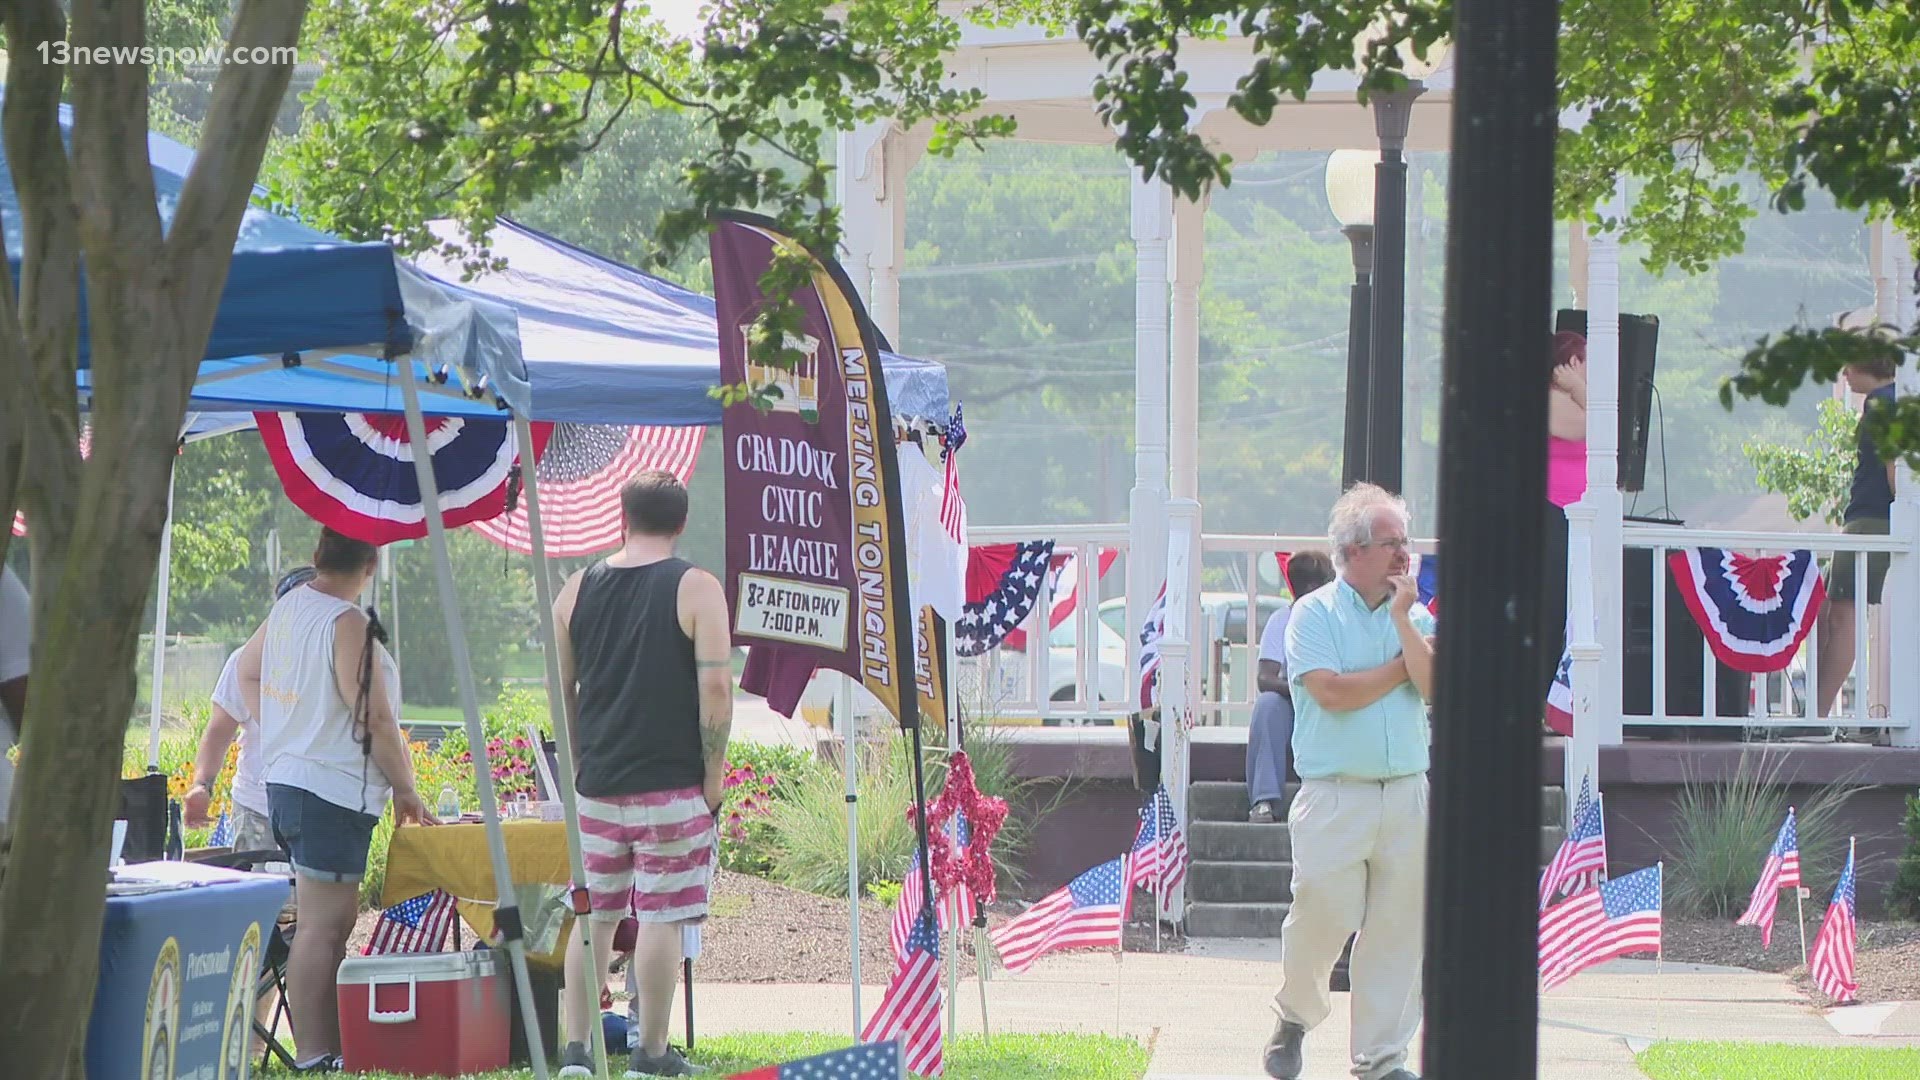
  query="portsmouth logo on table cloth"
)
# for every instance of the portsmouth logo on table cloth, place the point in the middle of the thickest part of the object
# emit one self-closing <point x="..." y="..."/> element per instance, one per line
<point x="353" y="472"/>
<point x="1006" y="578"/>
<point x="1755" y="610"/>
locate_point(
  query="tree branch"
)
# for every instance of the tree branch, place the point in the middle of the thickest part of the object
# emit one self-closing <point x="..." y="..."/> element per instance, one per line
<point x="38" y="336"/>
<point x="246" y="99"/>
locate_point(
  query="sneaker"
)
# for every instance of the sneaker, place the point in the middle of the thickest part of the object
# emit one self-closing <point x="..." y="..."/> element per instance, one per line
<point x="330" y="1063"/>
<point x="1284" y="1060"/>
<point x="1262" y="813"/>
<point x="576" y="1060"/>
<point x="671" y="1063"/>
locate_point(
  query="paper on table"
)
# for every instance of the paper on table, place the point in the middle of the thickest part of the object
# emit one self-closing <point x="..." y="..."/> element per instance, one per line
<point x="119" y="840"/>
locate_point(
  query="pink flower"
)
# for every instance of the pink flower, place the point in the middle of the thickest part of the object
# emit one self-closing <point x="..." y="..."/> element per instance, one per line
<point x="520" y="742"/>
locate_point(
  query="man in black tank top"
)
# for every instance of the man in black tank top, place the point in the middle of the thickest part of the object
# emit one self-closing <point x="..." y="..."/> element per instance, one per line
<point x="646" y="668"/>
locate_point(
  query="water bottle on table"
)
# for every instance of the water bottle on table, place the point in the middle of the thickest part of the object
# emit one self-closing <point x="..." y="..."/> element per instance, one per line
<point x="449" y="804"/>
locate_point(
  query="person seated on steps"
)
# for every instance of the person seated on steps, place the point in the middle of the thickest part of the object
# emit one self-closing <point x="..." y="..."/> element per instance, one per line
<point x="1271" y="730"/>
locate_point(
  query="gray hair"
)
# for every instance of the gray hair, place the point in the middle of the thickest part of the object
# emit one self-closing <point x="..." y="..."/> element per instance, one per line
<point x="1350" y="524"/>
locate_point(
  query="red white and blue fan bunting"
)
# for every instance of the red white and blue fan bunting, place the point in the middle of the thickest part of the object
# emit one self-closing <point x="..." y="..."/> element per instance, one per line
<point x="581" y="473"/>
<point x="354" y="473"/>
<point x="1003" y="581"/>
<point x="1754" y="610"/>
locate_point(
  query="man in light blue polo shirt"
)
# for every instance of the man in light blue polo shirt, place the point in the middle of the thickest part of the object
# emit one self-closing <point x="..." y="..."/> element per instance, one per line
<point x="1360" y="661"/>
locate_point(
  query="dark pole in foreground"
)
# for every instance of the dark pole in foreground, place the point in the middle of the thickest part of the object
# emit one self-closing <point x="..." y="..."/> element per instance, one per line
<point x="1353" y="457"/>
<point x="1483" y="859"/>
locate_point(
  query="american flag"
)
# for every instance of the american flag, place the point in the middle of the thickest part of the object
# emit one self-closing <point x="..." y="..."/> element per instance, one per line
<point x="1620" y="917"/>
<point x="1151" y="631"/>
<point x="1087" y="913"/>
<point x="1832" y="962"/>
<point x="1780" y="871"/>
<point x="86" y="451"/>
<point x="1581" y="862"/>
<point x="1159" y="857"/>
<point x="581" y="474"/>
<point x="910" y="1011"/>
<point x="956" y="908"/>
<point x="222" y="835"/>
<point x="953" y="509"/>
<point x="873" y="1061"/>
<point x="413" y="926"/>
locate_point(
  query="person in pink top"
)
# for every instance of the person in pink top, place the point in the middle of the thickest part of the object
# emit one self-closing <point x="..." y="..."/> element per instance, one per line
<point x="1566" y="482"/>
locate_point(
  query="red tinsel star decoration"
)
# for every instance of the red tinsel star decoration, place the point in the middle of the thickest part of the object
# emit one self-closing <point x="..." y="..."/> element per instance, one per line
<point x="972" y="866"/>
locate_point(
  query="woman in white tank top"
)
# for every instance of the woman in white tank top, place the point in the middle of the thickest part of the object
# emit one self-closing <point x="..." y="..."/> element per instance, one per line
<point x="327" y="694"/>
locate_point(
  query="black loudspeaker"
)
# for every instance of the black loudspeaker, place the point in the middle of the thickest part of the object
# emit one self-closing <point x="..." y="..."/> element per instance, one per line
<point x="1684" y="645"/>
<point x="1639" y="341"/>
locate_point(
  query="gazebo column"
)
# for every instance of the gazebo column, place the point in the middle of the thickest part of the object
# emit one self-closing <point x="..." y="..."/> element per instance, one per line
<point x="871" y="187"/>
<point x="1594" y="538"/>
<point x="1901" y="607"/>
<point x="1147" y="504"/>
<point x="1182" y="664"/>
<point x="1183" y="412"/>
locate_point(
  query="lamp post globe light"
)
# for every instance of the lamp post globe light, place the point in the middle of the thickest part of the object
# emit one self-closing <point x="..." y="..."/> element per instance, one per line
<point x="1350" y="177"/>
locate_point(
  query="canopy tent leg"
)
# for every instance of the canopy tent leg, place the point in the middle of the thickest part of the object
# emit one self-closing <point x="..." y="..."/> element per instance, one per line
<point x="165" y="583"/>
<point x="849" y="747"/>
<point x="506" y="912"/>
<point x="562" y="725"/>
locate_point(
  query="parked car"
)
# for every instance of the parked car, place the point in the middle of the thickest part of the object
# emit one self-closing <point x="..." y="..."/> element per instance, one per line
<point x="1007" y="668"/>
<point x="1224" y="616"/>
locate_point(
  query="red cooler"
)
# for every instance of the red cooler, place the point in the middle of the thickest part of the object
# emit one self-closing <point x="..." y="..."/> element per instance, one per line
<point x="425" y="1014"/>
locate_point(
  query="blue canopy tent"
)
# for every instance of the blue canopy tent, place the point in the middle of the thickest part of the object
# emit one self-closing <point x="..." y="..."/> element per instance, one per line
<point x="599" y="343"/>
<point x="292" y="291"/>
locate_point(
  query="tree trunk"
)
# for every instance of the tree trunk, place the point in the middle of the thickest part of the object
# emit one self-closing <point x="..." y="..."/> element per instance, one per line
<point x="151" y="298"/>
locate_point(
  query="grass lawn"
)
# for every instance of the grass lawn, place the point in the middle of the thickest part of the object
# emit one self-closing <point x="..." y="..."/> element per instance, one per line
<point x="1008" y="1057"/>
<point x="1775" y="1061"/>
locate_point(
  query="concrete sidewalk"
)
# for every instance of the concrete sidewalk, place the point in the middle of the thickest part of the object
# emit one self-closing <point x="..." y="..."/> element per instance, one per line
<point x="1206" y="1015"/>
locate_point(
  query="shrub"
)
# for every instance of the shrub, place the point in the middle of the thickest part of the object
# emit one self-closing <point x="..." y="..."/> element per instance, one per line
<point x="810" y="823"/>
<point x="1724" y="830"/>
<point x="1903" y="896"/>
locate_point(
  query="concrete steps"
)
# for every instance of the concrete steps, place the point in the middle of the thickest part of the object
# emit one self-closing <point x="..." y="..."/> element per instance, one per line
<point x="1241" y="877"/>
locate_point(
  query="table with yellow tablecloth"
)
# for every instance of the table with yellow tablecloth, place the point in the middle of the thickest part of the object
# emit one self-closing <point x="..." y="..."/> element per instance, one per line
<point x="422" y="858"/>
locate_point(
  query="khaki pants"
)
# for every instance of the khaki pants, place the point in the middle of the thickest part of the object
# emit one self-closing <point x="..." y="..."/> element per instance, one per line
<point x="1359" y="865"/>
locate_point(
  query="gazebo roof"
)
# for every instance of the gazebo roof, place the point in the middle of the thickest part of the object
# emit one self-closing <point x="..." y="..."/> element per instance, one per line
<point x="1046" y="83"/>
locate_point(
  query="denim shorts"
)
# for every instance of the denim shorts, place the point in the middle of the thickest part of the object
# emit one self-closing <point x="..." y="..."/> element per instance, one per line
<point x="328" y="842"/>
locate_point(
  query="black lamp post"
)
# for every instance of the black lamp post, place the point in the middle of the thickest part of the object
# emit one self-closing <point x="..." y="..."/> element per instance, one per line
<point x="1392" y="114"/>
<point x="1350" y="195"/>
<point x="1355" y="458"/>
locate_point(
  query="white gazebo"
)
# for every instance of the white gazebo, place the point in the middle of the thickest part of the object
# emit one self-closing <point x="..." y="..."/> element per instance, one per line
<point x="1045" y="84"/>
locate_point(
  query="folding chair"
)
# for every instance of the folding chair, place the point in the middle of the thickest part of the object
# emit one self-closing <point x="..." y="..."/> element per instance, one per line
<point x="273" y="966"/>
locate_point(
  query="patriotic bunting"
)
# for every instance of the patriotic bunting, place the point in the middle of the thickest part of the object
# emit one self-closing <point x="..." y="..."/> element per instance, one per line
<point x="354" y="472"/>
<point x="1001" y="607"/>
<point x="1151" y="632"/>
<point x="581" y="473"/>
<point x="1754" y="610"/>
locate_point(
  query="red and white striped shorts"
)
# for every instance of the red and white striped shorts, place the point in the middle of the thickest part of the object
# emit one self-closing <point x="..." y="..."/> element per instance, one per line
<point x="650" y="855"/>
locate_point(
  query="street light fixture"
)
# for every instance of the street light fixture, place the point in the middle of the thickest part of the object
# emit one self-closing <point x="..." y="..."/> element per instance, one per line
<point x="1350" y="196"/>
<point x="1392" y="116"/>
